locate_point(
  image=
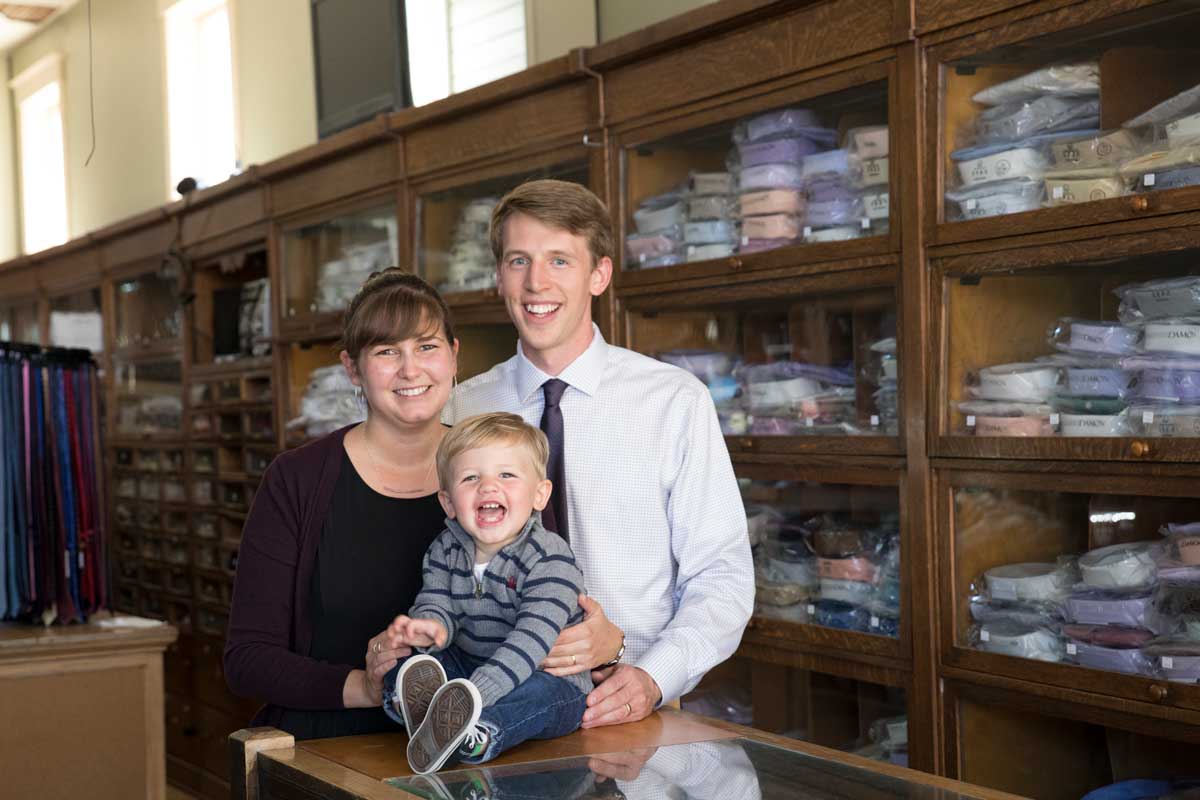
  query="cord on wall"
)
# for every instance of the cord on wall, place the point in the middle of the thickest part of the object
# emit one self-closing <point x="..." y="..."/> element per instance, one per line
<point x="91" y="85"/>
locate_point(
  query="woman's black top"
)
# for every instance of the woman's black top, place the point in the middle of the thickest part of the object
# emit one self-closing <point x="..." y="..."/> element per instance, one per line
<point x="368" y="570"/>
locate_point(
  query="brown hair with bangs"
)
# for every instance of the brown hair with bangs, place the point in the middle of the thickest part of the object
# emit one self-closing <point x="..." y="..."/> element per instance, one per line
<point x="393" y="305"/>
<point x="558" y="204"/>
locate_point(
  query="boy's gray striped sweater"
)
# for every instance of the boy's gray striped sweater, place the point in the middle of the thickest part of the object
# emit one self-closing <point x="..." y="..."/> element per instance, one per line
<point x="530" y="592"/>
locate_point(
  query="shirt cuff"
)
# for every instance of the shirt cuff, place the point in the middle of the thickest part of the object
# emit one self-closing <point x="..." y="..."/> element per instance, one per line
<point x="665" y="663"/>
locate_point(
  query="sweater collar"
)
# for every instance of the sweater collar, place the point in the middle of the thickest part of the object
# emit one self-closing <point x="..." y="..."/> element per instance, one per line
<point x="464" y="539"/>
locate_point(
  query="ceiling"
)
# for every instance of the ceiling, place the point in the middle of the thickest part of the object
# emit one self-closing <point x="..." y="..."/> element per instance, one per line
<point x="19" y="21"/>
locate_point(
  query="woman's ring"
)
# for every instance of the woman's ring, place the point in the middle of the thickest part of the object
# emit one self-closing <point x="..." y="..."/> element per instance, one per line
<point x="572" y="661"/>
<point x="377" y="647"/>
<point x="628" y="709"/>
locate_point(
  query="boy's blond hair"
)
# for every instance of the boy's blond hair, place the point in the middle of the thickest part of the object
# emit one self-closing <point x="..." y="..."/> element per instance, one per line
<point x="484" y="429"/>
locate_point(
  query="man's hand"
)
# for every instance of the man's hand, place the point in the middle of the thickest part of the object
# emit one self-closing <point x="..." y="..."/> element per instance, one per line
<point x="589" y="644"/>
<point x="625" y="694"/>
<point x="621" y="766"/>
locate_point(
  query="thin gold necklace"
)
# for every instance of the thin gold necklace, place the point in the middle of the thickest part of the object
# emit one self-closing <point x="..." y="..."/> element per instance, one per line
<point x="379" y="472"/>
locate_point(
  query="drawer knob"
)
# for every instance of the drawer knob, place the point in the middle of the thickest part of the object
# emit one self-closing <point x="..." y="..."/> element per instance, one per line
<point x="735" y="264"/>
<point x="1140" y="203"/>
<point x="1158" y="692"/>
<point x="1139" y="449"/>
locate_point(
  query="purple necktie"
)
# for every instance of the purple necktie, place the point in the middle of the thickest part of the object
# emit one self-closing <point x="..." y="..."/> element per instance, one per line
<point x="554" y="517"/>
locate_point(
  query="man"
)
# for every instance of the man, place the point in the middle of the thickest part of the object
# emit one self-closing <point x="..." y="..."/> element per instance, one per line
<point x="643" y="488"/>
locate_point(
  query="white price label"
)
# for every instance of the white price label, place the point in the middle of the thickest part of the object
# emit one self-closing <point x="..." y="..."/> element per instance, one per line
<point x="807" y="231"/>
<point x="874" y="420"/>
<point x="972" y="205"/>
<point x="808" y="422"/>
<point x="984" y="636"/>
<point x="866" y="223"/>
<point x="1072" y="650"/>
<point x="1054" y="419"/>
<point x="811" y="609"/>
<point x="745" y="240"/>
<point x="970" y="421"/>
<point x="1057" y="194"/>
<point x="1148" y="179"/>
<point x="1147" y="417"/>
<point x="874" y="621"/>
<point x="1168" y="662"/>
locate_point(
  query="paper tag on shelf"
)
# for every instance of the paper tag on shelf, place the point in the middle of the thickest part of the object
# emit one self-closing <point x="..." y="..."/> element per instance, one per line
<point x="1148" y="179"/>
<point x="808" y="422"/>
<point x="1057" y="194"/>
<point x="970" y="421"/>
<point x="874" y="621"/>
<point x="898" y="732"/>
<point x="1168" y="662"/>
<point x="745" y="240"/>
<point x="874" y="420"/>
<point x="984" y="636"/>
<point x="811" y="609"/>
<point x="1003" y="589"/>
<point x="1072" y="650"/>
<point x="972" y="205"/>
<point x="807" y="231"/>
<point x="1054" y="419"/>
<point x="1147" y="417"/>
<point x="866" y="223"/>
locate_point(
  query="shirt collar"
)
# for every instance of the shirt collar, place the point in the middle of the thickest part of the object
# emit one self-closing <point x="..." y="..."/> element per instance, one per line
<point x="584" y="373"/>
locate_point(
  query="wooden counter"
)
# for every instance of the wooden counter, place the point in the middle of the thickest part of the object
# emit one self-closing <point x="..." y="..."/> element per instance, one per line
<point x="269" y="765"/>
<point x="82" y="711"/>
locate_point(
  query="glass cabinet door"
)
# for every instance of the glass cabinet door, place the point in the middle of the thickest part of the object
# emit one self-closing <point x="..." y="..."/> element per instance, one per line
<point x="1051" y="113"/>
<point x="826" y="554"/>
<point x="75" y="321"/>
<point x="325" y="263"/>
<point x="19" y="323"/>
<point x="148" y="311"/>
<point x="453" y="250"/>
<point x="1079" y="352"/>
<point x="806" y="172"/>
<point x="781" y="365"/>
<point x="1073" y="575"/>
<point x="149" y="397"/>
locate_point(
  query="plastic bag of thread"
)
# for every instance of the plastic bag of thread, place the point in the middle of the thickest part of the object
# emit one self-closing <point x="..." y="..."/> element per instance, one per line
<point x="1183" y="543"/>
<point x="1092" y="338"/>
<point x="1122" y="567"/>
<point x="995" y="199"/>
<point x="1159" y="299"/>
<point x="1108" y="648"/>
<point x="1175" y="658"/>
<point x="781" y="123"/>
<point x="1022" y="119"/>
<point x="1059" y="79"/>
<point x="1177" y="605"/>
<point x="1011" y="638"/>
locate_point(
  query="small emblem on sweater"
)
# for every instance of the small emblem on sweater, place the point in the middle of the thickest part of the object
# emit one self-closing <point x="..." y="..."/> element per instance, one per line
<point x="512" y="581"/>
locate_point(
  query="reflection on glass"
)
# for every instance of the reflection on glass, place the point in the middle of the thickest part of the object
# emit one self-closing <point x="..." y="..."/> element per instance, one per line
<point x="1107" y="582"/>
<point x="1026" y="127"/>
<point x="149" y="397"/>
<point x="148" y="310"/>
<point x="1087" y="350"/>
<point x="75" y="321"/>
<point x="455" y="254"/>
<point x="826" y="554"/>
<point x="738" y="769"/>
<point x="816" y="173"/>
<point x="327" y="262"/>
<point x="20" y="324"/>
<point x="787" y="366"/>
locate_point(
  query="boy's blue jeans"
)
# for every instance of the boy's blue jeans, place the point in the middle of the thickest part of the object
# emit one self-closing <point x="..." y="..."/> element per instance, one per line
<point x="543" y="707"/>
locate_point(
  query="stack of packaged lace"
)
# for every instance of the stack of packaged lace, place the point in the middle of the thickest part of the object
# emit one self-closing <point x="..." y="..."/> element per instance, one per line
<point x="470" y="265"/>
<point x="339" y="280"/>
<point x="328" y="403"/>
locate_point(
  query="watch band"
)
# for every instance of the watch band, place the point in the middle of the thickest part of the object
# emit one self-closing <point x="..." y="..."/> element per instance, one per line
<point x="617" y="659"/>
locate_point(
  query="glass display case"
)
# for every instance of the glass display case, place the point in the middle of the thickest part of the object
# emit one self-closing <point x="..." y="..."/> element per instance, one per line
<point x="230" y="314"/>
<point x="148" y="312"/>
<point x="19" y="323"/>
<point x="453" y="250"/>
<point x="325" y="262"/>
<point x="148" y="398"/>
<point x="826" y="554"/>
<point x="802" y="172"/>
<point x="1061" y="111"/>
<point x="779" y="363"/>
<point x="76" y="321"/>
<point x="1104" y="348"/>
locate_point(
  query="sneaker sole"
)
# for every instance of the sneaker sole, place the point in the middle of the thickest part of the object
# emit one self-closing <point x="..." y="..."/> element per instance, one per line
<point x="418" y="681"/>
<point x="452" y="713"/>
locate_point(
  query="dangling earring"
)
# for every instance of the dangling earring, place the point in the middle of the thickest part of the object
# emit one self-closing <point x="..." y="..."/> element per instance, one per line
<point x="454" y="399"/>
<point x="360" y="399"/>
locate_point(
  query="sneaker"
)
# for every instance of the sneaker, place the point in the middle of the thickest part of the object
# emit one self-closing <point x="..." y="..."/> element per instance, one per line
<point x="429" y="787"/>
<point x="452" y="714"/>
<point x="418" y="681"/>
<point x="474" y="785"/>
<point x="475" y="744"/>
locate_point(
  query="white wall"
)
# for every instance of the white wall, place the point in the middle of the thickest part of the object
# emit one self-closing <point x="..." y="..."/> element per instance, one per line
<point x="558" y="26"/>
<point x="619" y="17"/>
<point x="8" y="170"/>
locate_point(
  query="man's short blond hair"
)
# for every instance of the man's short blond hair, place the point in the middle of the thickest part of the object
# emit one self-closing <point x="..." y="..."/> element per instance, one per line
<point x="485" y="429"/>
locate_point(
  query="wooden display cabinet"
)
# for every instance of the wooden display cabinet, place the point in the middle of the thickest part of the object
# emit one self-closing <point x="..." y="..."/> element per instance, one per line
<point x="1142" y="50"/>
<point x="76" y="320"/>
<point x="991" y="515"/>
<point x="326" y="255"/>
<point x="999" y="308"/>
<point x="147" y="314"/>
<point x="19" y="321"/>
<point x="795" y="365"/>
<point x="674" y="226"/>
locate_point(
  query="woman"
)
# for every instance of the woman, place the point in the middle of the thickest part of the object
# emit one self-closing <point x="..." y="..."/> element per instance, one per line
<point x="332" y="548"/>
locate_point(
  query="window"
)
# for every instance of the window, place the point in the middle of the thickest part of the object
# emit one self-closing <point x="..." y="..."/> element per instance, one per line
<point x="458" y="44"/>
<point x="38" y="93"/>
<point x="200" y="103"/>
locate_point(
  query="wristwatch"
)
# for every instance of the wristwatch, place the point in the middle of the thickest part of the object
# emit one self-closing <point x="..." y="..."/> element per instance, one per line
<point x="617" y="659"/>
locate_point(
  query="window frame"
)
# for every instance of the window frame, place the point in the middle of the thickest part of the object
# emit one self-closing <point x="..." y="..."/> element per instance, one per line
<point x="47" y="70"/>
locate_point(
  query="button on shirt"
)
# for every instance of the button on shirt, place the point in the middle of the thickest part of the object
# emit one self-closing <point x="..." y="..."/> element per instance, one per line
<point x="657" y="523"/>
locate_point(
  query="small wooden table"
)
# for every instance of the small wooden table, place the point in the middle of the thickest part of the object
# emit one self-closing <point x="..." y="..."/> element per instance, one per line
<point x="82" y="711"/>
<point x="689" y="751"/>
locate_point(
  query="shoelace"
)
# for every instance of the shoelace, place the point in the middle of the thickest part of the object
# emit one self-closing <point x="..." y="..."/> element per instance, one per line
<point x="476" y="738"/>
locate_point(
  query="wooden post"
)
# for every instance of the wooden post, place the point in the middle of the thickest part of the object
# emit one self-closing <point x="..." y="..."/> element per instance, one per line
<point x="244" y="747"/>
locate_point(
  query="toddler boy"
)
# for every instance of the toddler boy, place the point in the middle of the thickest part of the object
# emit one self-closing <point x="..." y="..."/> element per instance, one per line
<point x="498" y="589"/>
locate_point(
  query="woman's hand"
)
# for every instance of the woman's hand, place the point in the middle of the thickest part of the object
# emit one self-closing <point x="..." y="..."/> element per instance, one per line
<point x="383" y="652"/>
<point x="585" y="646"/>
